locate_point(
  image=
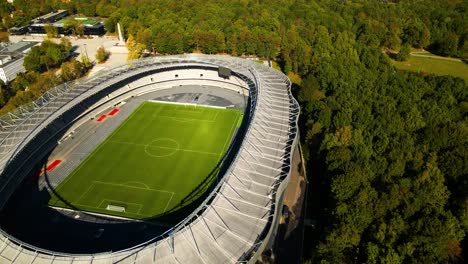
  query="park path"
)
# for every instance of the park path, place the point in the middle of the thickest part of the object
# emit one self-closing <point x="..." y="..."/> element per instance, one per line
<point x="429" y="55"/>
<point x="289" y="241"/>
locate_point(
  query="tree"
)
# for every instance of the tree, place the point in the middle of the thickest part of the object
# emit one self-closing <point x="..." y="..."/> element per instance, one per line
<point x="70" y="26"/>
<point x="65" y="43"/>
<point x="449" y="44"/>
<point x="74" y="27"/>
<point x="51" y="31"/>
<point x="72" y="70"/>
<point x="135" y="49"/>
<point x="32" y="61"/>
<point x="46" y="56"/>
<point x="102" y="55"/>
<point x="386" y="149"/>
<point x="136" y="52"/>
<point x="416" y="33"/>
<point x="3" y="94"/>
<point x="80" y="29"/>
<point x="404" y="53"/>
<point x="85" y="60"/>
<point x="4" y="37"/>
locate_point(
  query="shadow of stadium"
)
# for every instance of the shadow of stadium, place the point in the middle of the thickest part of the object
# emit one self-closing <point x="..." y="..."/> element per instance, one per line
<point x="28" y="217"/>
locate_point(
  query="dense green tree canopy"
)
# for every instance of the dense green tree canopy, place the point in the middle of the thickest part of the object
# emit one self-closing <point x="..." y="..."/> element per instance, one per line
<point x="46" y="56"/>
<point x="267" y="27"/>
<point x="386" y="150"/>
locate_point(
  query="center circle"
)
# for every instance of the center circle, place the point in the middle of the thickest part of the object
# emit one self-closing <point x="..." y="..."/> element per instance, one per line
<point x="162" y="147"/>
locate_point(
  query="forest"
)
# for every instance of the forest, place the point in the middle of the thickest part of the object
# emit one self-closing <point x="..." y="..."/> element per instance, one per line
<point x="386" y="150"/>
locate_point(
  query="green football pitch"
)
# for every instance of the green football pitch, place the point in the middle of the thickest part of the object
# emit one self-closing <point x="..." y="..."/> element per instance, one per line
<point x="153" y="163"/>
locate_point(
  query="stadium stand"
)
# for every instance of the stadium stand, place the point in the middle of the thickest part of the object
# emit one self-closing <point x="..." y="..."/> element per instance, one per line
<point x="238" y="219"/>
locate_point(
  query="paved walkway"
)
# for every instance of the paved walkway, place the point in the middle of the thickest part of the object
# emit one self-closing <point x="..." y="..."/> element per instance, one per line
<point x="288" y="247"/>
<point x="432" y="56"/>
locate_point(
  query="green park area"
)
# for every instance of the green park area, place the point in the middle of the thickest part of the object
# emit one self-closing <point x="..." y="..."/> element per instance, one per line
<point x="427" y="63"/>
<point x="81" y="20"/>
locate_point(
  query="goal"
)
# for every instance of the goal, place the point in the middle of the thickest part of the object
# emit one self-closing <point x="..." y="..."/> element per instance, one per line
<point x="116" y="208"/>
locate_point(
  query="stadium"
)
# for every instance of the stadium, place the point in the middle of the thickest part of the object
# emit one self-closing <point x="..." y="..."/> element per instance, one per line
<point x="171" y="159"/>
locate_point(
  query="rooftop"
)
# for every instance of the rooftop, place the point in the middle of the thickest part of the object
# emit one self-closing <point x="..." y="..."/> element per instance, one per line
<point x="50" y="17"/>
<point x="81" y="20"/>
<point x="18" y="47"/>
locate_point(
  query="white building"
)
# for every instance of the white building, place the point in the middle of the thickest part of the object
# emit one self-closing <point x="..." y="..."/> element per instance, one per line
<point x="12" y="58"/>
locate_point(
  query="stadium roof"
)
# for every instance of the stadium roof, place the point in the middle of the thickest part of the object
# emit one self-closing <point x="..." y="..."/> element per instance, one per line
<point x="238" y="218"/>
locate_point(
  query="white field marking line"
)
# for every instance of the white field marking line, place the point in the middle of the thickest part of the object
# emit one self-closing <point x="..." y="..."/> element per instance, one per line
<point x="128" y="186"/>
<point x="196" y="111"/>
<point x="203" y="110"/>
<point x="188" y="119"/>
<point x="98" y="211"/>
<point x="170" y="200"/>
<point x="169" y="102"/>
<point x="186" y="150"/>
<point x="204" y="106"/>
<point x="117" y="201"/>
<point x="215" y="117"/>
<point x="186" y="104"/>
<point x="83" y="194"/>
<point x="71" y="175"/>
<point x="230" y="137"/>
<point x="181" y="119"/>
<point x="137" y="182"/>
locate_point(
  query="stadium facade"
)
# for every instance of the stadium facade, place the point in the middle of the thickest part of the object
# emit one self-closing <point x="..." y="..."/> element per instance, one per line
<point x="239" y="218"/>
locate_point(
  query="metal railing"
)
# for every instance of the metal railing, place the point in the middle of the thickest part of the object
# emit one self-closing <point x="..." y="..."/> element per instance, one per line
<point x="243" y="67"/>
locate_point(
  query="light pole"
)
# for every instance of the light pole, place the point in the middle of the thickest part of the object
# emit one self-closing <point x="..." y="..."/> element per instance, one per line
<point x="86" y="51"/>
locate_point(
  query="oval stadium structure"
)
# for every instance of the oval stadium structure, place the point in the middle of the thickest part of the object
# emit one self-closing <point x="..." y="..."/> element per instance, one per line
<point x="237" y="218"/>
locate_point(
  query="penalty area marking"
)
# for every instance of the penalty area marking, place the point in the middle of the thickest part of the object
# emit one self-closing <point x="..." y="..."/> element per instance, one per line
<point x="170" y="200"/>
<point x="197" y="120"/>
<point x="186" y="104"/>
<point x="137" y="182"/>
<point x="229" y="139"/>
<point x="110" y="201"/>
<point x="183" y="119"/>
<point x="129" y="186"/>
<point x="140" y="206"/>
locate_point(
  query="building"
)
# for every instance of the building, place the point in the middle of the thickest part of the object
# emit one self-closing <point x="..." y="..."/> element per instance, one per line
<point x="56" y="19"/>
<point x="51" y="17"/>
<point x="12" y="58"/>
<point x="239" y="218"/>
<point x="19" y="30"/>
<point x="96" y="29"/>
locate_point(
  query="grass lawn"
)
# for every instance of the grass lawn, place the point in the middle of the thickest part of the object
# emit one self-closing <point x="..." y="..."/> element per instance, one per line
<point x="434" y="65"/>
<point x="82" y="20"/>
<point x="152" y="162"/>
